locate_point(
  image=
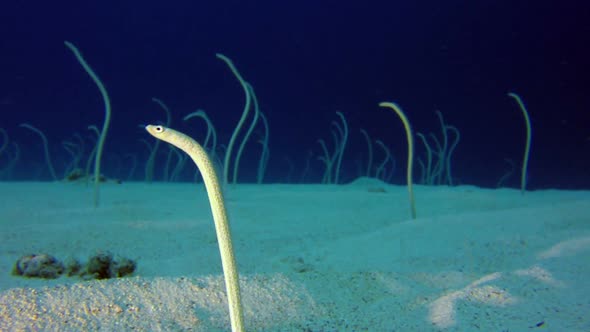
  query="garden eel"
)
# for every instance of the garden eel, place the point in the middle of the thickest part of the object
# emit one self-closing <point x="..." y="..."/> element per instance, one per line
<point x="205" y="166"/>
<point x="404" y="118"/>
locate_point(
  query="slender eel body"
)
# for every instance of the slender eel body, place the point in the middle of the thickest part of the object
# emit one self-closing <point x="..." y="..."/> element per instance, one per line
<point x="203" y="162"/>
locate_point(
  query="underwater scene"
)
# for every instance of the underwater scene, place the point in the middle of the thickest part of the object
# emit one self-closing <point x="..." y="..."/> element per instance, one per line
<point x="295" y="166"/>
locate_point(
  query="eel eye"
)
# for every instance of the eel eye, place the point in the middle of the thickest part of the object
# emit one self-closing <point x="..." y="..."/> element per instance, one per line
<point x="159" y="129"/>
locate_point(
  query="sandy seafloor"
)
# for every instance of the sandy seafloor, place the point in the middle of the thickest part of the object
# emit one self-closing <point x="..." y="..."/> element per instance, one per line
<point x="311" y="258"/>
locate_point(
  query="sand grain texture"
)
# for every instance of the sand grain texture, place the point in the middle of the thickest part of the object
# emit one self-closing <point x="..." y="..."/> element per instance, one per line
<point x="311" y="257"/>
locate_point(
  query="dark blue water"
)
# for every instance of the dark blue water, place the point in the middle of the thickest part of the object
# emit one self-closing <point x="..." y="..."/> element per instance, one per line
<point x="306" y="60"/>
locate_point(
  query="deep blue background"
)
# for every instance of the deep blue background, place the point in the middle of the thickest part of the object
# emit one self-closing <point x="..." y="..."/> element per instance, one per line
<point x="306" y="60"/>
